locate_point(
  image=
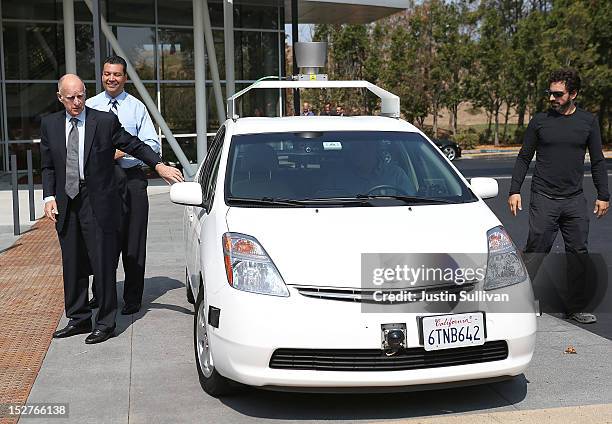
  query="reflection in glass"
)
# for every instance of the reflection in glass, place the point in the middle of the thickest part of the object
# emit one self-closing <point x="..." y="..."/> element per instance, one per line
<point x="26" y="105"/>
<point x="256" y="54"/>
<point x="31" y="50"/>
<point x="138" y="43"/>
<point x="175" y="12"/>
<point x="176" y="54"/>
<point x="188" y="145"/>
<point x="85" y="51"/>
<point x="258" y="102"/>
<point x="178" y="107"/>
<point x="132" y="11"/>
<point x="32" y="9"/>
<point x="249" y="15"/>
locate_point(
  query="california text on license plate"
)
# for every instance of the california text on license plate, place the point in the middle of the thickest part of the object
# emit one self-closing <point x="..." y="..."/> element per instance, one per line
<point x="450" y="331"/>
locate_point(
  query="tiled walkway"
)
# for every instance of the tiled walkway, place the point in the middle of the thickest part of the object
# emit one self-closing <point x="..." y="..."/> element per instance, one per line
<point x="31" y="304"/>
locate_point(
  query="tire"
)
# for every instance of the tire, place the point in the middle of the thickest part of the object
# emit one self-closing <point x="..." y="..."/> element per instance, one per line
<point x="211" y="381"/>
<point x="190" y="298"/>
<point x="450" y="152"/>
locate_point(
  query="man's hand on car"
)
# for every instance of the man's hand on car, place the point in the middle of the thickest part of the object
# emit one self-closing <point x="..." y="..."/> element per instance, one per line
<point x="170" y="174"/>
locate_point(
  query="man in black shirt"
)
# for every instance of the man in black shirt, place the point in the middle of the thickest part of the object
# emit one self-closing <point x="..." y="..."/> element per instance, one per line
<point x="560" y="137"/>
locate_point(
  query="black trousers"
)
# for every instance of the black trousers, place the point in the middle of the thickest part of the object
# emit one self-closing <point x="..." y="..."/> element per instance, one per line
<point x="86" y="249"/>
<point x="548" y="216"/>
<point x="133" y="237"/>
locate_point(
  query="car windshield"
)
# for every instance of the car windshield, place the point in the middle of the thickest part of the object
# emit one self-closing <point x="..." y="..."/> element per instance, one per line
<point x="355" y="168"/>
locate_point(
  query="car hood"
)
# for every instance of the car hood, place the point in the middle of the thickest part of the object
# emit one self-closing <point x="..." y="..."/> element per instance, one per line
<point x="323" y="246"/>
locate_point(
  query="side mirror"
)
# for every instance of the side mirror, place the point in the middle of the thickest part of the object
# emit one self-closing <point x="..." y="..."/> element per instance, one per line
<point x="187" y="193"/>
<point x="485" y="188"/>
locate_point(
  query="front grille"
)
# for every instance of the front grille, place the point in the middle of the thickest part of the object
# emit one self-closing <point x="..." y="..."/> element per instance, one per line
<point x="367" y="295"/>
<point x="375" y="359"/>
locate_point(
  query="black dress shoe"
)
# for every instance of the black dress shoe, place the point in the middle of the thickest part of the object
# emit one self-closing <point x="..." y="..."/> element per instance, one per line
<point x="72" y="330"/>
<point x="130" y="309"/>
<point x="93" y="303"/>
<point x="99" y="336"/>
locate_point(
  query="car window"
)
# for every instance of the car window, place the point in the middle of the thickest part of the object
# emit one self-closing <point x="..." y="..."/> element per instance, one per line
<point x="211" y="166"/>
<point x="340" y="164"/>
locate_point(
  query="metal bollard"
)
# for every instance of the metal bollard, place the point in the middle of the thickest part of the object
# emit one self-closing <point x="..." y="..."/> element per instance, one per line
<point x="31" y="187"/>
<point x="16" y="227"/>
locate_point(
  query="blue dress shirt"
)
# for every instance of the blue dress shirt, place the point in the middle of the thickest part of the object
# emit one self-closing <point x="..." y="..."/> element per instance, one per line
<point x="134" y="118"/>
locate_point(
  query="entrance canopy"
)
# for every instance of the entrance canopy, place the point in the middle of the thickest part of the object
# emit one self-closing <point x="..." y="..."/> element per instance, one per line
<point x="343" y="11"/>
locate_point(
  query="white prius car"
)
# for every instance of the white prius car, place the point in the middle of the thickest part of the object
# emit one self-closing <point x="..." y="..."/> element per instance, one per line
<point x="279" y="222"/>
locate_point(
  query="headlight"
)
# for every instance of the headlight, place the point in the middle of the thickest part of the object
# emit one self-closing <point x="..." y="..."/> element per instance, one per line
<point x="249" y="268"/>
<point x="504" y="265"/>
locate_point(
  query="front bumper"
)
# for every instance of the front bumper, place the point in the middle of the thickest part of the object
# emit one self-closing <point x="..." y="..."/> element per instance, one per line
<point x="253" y="326"/>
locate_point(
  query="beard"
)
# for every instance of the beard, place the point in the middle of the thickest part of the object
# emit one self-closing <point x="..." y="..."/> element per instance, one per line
<point x="558" y="107"/>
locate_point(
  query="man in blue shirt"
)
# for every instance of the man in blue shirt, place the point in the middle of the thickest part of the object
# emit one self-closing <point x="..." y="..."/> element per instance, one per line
<point x="135" y="119"/>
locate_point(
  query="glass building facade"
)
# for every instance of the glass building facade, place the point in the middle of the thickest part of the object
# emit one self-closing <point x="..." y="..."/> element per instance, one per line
<point x="156" y="35"/>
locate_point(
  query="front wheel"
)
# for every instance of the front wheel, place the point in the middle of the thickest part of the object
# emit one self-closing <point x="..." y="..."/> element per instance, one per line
<point x="211" y="381"/>
<point x="450" y="152"/>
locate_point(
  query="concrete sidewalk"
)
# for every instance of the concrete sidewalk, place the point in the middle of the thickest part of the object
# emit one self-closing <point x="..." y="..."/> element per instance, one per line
<point x="147" y="374"/>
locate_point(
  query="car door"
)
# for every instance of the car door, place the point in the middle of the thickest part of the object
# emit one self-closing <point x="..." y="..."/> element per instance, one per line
<point x="191" y="248"/>
<point x="207" y="181"/>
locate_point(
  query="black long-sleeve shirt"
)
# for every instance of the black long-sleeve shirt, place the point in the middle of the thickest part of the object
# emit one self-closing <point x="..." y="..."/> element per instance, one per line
<point x="561" y="142"/>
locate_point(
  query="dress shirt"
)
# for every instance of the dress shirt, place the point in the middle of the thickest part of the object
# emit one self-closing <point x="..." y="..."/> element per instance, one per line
<point x="134" y="118"/>
<point x="81" y="128"/>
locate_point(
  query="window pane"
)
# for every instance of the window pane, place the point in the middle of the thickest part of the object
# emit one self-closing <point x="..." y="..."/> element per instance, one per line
<point x="178" y="107"/>
<point x="256" y="54"/>
<point x="85" y="51"/>
<point x="188" y="145"/>
<point x="215" y="9"/>
<point x="253" y="16"/>
<point x="219" y="53"/>
<point x="133" y="11"/>
<point x="176" y="54"/>
<point x="82" y="12"/>
<point x="259" y="102"/>
<point x="151" y="89"/>
<point x="32" y="9"/>
<point x="26" y="105"/>
<point x="138" y="43"/>
<point x="31" y="51"/>
<point x="175" y="12"/>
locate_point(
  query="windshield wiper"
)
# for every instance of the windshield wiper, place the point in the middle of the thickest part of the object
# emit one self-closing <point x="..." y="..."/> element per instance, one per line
<point x="407" y="199"/>
<point x="266" y="201"/>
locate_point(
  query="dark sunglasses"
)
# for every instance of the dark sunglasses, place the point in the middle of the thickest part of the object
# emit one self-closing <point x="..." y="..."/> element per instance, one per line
<point x="555" y="94"/>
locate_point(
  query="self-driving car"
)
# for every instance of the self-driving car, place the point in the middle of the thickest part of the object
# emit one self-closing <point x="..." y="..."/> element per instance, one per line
<point x="297" y="232"/>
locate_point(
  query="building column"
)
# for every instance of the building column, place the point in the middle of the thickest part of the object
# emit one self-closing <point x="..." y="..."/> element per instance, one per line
<point x="98" y="42"/>
<point x="69" y="38"/>
<point x="200" y="78"/>
<point x="228" y="31"/>
<point x="213" y="66"/>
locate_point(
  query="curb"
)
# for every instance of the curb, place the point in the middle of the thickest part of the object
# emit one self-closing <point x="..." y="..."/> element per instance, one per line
<point x="490" y="154"/>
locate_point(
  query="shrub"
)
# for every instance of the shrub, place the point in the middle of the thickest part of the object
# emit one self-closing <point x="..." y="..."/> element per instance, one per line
<point x="467" y="139"/>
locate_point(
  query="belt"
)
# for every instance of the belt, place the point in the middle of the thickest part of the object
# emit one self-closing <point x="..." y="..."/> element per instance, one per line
<point x="571" y="196"/>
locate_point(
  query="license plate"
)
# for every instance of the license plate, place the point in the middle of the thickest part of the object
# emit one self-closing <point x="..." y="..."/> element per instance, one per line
<point x="450" y="331"/>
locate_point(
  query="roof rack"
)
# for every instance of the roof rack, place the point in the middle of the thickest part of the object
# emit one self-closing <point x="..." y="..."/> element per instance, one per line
<point x="390" y="103"/>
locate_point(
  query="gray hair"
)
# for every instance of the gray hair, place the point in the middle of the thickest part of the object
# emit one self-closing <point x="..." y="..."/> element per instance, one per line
<point x="61" y="80"/>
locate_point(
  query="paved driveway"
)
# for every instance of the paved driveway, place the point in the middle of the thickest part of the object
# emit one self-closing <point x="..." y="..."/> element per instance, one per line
<point x="147" y="373"/>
